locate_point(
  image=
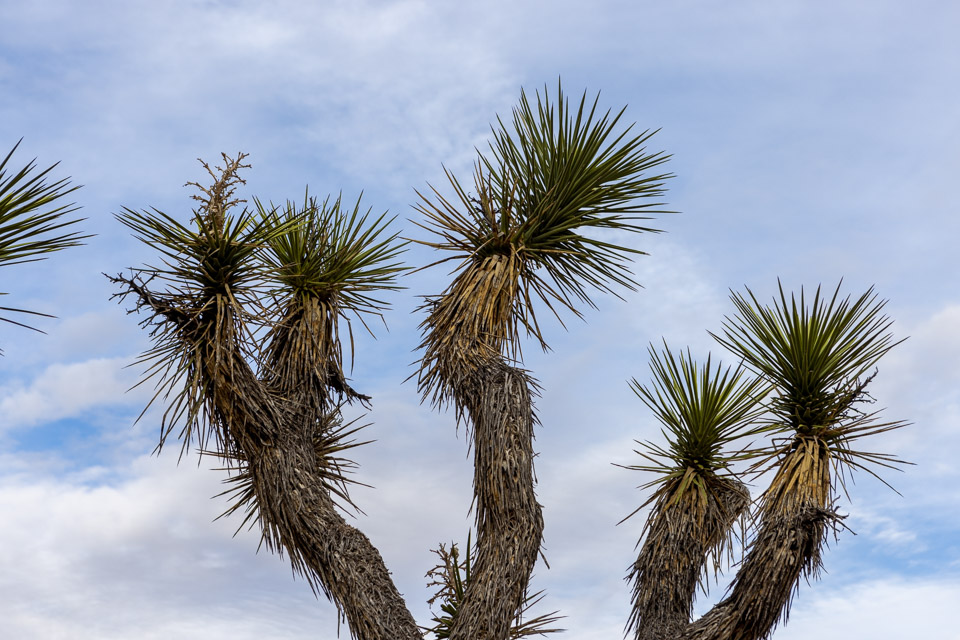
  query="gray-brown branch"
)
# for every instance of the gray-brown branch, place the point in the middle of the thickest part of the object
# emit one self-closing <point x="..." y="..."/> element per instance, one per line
<point x="680" y="538"/>
<point x="298" y="515"/>
<point x="795" y="517"/>
<point x="509" y="519"/>
<point x="273" y="441"/>
<point x="467" y="330"/>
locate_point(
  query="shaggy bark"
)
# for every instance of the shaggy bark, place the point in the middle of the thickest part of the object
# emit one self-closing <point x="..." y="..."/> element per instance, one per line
<point x="509" y="519"/>
<point x="467" y="330"/>
<point x="681" y="536"/>
<point x="270" y="436"/>
<point x="795" y="516"/>
<point x="300" y="515"/>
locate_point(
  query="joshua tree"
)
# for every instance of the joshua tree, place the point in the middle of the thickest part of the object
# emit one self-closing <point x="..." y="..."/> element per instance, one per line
<point x="813" y="364"/>
<point x="31" y="220"/>
<point x="245" y="312"/>
<point x="244" y="315"/>
<point x="521" y="241"/>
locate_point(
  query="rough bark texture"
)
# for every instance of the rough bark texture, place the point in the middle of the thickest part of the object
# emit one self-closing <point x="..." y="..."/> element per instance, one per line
<point x="681" y="536"/>
<point x="509" y="519"/>
<point x="299" y="513"/>
<point x="468" y="329"/>
<point x="268" y="431"/>
<point x="795" y="516"/>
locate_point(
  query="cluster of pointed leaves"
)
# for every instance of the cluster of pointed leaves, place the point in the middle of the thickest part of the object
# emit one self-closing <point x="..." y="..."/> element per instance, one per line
<point x="818" y="355"/>
<point x="559" y="189"/>
<point x="451" y="577"/>
<point x="702" y="410"/>
<point x="329" y="263"/>
<point x="812" y="361"/>
<point x="329" y="250"/>
<point x="247" y="269"/>
<point x="32" y="218"/>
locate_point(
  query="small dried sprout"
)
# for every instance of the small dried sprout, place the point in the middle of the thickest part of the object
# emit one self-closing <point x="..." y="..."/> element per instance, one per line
<point x="218" y="198"/>
<point x="451" y="577"/>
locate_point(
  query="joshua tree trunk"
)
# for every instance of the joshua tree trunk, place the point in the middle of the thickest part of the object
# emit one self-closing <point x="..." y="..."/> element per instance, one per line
<point x="299" y="513"/>
<point x="270" y="436"/>
<point x="794" y="518"/>
<point x="795" y="515"/>
<point x="509" y="520"/>
<point x="682" y="534"/>
<point x="469" y="326"/>
<point x="524" y="238"/>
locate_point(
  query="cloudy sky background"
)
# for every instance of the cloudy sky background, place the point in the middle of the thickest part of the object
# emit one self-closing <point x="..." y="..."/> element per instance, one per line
<point x="811" y="142"/>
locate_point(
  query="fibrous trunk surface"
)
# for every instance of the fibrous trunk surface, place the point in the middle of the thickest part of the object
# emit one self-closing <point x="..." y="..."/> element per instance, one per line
<point x="795" y="516"/>
<point x="682" y="534"/>
<point x="268" y="431"/>
<point x="509" y="519"/>
<point x="467" y="330"/>
<point x="300" y="515"/>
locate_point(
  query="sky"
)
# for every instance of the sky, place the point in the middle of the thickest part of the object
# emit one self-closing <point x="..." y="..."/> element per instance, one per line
<point x="811" y="142"/>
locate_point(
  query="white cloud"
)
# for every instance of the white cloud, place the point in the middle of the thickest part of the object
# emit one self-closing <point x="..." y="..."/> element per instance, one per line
<point x="382" y="91"/>
<point x="882" y="609"/>
<point x="919" y="382"/>
<point x="882" y="528"/>
<point x="137" y="540"/>
<point x="140" y="557"/>
<point x="69" y="390"/>
<point x="106" y="332"/>
<point x="930" y="353"/>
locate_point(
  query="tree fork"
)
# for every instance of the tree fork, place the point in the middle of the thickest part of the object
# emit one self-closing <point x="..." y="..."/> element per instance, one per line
<point x="271" y="436"/>
<point x="300" y="515"/>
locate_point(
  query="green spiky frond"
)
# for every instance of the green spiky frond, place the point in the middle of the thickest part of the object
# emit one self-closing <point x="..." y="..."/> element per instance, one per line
<point x="564" y="172"/>
<point x="212" y="255"/>
<point x="312" y="264"/>
<point x="329" y="261"/>
<point x="205" y="258"/>
<point x="558" y="189"/>
<point x="703" y="410"/>
<point x="329" y="250"/>
<point x="210" y="277"/>
<point x="30" y="211"/>
<point x="32" y="219"/>
<point x="818" y="355"/>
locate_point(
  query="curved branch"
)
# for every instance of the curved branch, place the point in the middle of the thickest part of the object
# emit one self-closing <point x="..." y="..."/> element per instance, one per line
<point x="509" y="518"/>
<point x="466" y="331"/>
<point x="272" y="437"/>
<point x="682" y="534"/>
<point x="795" y="515"/>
